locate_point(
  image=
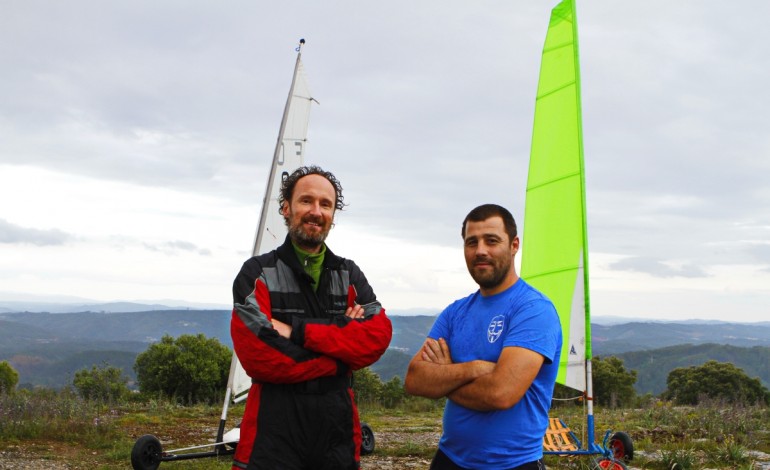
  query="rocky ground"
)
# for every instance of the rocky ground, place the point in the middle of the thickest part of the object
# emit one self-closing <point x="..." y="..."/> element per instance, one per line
<point x="60" y="456"/>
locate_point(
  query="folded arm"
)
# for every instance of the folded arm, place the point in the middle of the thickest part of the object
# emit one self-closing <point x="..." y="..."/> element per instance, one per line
<point x="265" y="355"/>
<point x="432" y="374"/>
<point x="358" y="338"/>
<point x="501" y="389"/>
<point x="478" y="385"/>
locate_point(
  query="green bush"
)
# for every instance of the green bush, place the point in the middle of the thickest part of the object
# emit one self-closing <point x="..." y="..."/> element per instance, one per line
<point x="714" y="381"/>
<point x="105" y="383"/>
<point x="190" y="369"/>
<point x="9" y="378"/>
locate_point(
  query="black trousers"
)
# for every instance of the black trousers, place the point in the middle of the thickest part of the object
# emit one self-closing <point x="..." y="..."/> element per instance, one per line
<point x="442" y="462"/>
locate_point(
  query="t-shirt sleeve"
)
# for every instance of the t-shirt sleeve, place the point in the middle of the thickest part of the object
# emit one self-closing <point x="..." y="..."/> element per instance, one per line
<point x="440" y="328"/>
<point x="536" y="327"/>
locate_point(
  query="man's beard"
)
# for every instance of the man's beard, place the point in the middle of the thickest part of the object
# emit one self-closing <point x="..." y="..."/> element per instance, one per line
<point x="305" y="239"/>
<point x="490" y="279"/>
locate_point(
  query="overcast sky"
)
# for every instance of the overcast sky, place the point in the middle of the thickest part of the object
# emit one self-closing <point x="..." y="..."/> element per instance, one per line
<point x="135" y="141"/>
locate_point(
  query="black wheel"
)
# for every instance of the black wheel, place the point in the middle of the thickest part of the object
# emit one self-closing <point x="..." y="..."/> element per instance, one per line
<point x="146" y="453"/>
<point x="622" y="446"/>
<point x="610" y="464"/>
<point x="367" y="439"/>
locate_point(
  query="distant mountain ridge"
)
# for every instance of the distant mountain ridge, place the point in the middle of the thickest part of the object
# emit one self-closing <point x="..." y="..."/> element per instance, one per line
<point x="48" y="347"/>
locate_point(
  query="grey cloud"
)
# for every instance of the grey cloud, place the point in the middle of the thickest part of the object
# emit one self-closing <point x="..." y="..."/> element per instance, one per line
<point x="420" y="127"/>
<point x="656" y="268"/>
<point x="760" y="253"/>
<point x="16" y="234"/>
<point x="172" y="247"/>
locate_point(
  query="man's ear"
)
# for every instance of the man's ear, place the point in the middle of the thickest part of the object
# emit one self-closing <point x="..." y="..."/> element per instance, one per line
<point x="515" y="245"/>
<point x="285" y="209"/>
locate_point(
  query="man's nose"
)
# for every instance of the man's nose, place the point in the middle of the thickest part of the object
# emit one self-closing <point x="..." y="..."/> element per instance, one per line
<point x="315" y="208"/>
<point x="482" y="249"/>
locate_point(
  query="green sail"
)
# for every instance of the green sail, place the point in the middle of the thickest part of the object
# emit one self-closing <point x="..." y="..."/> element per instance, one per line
<point x="554" y="244"/>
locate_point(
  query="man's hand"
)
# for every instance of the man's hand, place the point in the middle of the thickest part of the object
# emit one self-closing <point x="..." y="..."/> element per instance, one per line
<point x="436" y="352"/>
<point x="355" y="312"/>
<point x="282" y="328"/>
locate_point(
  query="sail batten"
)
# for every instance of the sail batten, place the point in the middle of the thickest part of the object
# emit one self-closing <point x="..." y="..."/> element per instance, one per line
<point x="554" y="180"/>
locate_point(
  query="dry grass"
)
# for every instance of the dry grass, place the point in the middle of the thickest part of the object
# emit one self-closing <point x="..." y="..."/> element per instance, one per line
<point x="59" y="430"/>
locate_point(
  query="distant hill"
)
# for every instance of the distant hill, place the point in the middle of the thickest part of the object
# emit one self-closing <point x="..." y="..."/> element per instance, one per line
<point x="638" y="336"/>
<point x="653" y="366"/>
<point x="144" y="327"/>
<point x="47" y="348"/>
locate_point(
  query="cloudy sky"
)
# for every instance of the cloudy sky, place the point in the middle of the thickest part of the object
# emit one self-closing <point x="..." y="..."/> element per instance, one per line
<point x="135" y="140"/>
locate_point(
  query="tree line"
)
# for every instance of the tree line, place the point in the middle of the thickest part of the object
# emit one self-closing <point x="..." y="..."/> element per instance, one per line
<point x="194" y="369"/>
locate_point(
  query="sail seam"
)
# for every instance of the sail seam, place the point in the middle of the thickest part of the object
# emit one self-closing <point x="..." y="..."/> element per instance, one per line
<point x="551" y="92"/>
<point x="558" y="46"/>
<point x="555" y="180"/>
<point x="553" y="271"/>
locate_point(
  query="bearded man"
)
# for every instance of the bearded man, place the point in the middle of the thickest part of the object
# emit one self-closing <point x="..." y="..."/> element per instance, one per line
<point x="303" y="320"/>
<point x="494" y="355"/>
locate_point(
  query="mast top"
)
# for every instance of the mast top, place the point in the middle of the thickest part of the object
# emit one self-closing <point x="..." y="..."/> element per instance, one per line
<point x="301" y="43"/>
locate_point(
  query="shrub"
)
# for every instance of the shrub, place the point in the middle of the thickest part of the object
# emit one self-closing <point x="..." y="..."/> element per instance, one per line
<point x="104" y="383"/>
<point x="191" y="368"/>
<point x="8" y="377"/>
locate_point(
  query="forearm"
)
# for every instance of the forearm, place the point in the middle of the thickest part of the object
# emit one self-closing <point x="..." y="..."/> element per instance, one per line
<point x="481" y="394"/>
<point x="431" y="380"/>
<point x="505" y="385"/>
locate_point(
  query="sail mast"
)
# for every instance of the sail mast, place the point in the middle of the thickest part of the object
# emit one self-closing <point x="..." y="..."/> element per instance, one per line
<point x="586" y="288"/>
<point x="264" y="215"/>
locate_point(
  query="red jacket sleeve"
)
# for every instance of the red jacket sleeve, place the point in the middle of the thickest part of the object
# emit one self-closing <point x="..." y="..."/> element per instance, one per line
<point x="264" y="354"/>
<point x="357" y="343"/>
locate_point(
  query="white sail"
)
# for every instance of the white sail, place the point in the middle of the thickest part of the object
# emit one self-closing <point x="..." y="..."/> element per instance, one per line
<point x="288" y="156"/>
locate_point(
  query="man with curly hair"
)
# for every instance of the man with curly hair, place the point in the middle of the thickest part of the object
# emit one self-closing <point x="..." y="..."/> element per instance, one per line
<point x="303" y="320"/>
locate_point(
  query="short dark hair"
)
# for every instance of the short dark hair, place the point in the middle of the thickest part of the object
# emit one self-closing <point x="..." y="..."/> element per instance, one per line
<point x="485" y="211"/>
<point x="288" y="183"/>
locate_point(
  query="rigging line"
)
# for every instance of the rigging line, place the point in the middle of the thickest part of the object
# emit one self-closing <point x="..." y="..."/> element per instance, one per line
<point x="567" y="399"/>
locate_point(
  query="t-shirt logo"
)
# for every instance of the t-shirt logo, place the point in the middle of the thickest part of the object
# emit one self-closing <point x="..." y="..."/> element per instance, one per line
<point x="495" y="328"/>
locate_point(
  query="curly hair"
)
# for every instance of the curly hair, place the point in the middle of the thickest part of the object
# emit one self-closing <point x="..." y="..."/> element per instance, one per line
<point x="288" y="183"/>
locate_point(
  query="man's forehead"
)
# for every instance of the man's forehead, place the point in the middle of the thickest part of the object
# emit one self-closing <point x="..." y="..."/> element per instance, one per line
<point x="316" y="184"/>
<point x="491" y="226"/>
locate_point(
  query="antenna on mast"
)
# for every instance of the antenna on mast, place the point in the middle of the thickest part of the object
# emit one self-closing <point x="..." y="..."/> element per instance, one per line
<point x="301" y="43"/>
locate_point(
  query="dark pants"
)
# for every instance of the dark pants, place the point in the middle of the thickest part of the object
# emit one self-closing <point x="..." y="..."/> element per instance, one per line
<point x="442" y="462"/>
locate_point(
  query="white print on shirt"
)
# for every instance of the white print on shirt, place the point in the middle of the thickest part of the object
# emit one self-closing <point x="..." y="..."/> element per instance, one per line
<point x="495" y="328"/>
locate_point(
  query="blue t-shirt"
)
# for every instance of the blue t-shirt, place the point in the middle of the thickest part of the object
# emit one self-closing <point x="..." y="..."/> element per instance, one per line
<point x="479" y="327"/>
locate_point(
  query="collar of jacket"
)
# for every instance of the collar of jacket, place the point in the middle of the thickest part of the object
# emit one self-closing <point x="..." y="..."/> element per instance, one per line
<point x="287" y="254"/>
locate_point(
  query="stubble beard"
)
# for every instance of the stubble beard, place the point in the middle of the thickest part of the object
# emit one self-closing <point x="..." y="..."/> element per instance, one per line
<point x="490" y="279"/>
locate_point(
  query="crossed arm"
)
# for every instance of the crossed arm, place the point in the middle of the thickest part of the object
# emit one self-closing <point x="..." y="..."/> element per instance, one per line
<point x="478" y="385"/>
<point x="283" y="329"/>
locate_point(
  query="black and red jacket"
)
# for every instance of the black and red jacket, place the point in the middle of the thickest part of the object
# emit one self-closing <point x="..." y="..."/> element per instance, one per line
<point x="324" y="348"/>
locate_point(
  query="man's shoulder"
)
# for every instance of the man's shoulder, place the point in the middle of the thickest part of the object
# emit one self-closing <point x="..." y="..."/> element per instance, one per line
<point x="525" y="292"/>
<point x="257" y="263"/>
<point x="461" y="304"/>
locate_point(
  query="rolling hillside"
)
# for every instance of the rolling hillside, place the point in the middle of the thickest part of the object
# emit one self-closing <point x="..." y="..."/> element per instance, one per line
<point x="47" y="348"/>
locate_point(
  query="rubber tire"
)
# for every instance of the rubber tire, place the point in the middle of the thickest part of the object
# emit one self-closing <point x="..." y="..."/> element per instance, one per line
<point x="622" y="446"/>
<point x="146" y="453"/>
<point x="367" y="439"/>
<point x="610" y="464"/>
